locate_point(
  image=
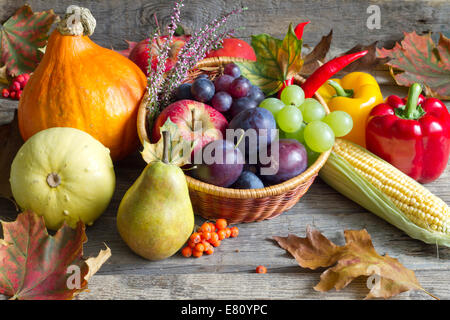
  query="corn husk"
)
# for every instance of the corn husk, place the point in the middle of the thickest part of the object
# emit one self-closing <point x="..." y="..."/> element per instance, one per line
<point x="342" y="176"/>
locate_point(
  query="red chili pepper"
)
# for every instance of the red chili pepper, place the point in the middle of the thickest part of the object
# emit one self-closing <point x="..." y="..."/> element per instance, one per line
<point x="325" y="72"/>
<point x="413" y="135"/>
<point x="286" y="83"/>
<point x="299" y="29"/>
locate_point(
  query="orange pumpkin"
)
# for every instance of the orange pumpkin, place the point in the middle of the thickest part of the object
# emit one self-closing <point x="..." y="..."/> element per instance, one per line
<point x="81" y="85"/>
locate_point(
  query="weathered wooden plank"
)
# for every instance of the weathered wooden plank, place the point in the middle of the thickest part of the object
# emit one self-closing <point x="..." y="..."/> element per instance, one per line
<point x="127" y="276"/>
<point x="232" y="286"/>
<point x="242" y="286"/>
<point x="321" y="207"/>
<point x="7" y="109"/>
<point x="133" y="20"/>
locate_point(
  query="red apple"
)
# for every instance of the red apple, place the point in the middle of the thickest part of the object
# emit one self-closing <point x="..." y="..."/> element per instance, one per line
<point x="234" y="47"/>
<point x="139" y="54"/>
<point x="210" y="123"/>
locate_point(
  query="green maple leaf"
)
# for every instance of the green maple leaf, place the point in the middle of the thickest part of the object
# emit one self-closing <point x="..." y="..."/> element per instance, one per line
<point x="21" y="36"/>
<point x="276" y="61"/>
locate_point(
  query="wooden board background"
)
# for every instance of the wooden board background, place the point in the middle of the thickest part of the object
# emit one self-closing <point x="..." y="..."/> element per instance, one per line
<point x="133" y="19"/>
<point x="228" y="272"/>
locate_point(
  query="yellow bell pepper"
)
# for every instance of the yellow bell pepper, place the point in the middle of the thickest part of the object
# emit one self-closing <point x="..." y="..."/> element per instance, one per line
<point x="356" y="93"/>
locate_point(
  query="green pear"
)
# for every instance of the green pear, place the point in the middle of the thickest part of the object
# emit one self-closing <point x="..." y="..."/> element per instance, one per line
<point x="155" y="217"/>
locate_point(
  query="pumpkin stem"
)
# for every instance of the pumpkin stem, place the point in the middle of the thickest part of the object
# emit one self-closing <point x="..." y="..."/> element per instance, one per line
<point x="77" y="21"/>
<point x="53" y="180"/>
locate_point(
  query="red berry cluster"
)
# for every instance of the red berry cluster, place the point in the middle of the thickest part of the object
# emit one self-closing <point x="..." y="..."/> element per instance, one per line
<point x="15" y="89"/>
<point x="208" y="236"/>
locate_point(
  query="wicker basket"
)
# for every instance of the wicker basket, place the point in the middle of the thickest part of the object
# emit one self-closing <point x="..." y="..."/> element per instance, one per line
<point x="237" y="205"/>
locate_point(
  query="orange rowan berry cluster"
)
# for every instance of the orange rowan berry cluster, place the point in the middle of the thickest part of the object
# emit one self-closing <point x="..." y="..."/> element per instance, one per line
<point x="208" y="237"/>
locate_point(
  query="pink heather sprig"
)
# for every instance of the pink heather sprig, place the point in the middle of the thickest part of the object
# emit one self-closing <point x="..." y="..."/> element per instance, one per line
<point x="163" y="52"/>
<point x="154" y="78"/>
<point x="161" y="86"/>
<point x="201" y="40"/>
<point x="195" y="49"/>
<point x="156" y="75"/>
<point x="171" y="28"/>
<point x="218" y="44"/>
<point x="186" y="62"/>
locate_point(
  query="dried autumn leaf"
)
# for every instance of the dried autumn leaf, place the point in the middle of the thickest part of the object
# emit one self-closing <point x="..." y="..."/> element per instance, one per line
<point x="366" y="63"/>
<point x="316" y="57"/>
<point x="313" y="60"/>
<point x="3" y="75"/>
<point x="36" y="266"/>
<point x="126" y="52"/>
<point x="356" y="258"/>
<point x="10" y="143"/>
<point x="95" y="263"/>
<point x="276" y="61"/>
<point x="21" y="37"/>
<point x="179" y="148"/>
<point x="418" y="59"/>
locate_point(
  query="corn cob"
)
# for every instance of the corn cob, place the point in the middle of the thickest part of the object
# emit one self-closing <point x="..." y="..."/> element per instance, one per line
<point x="386" y="191"/>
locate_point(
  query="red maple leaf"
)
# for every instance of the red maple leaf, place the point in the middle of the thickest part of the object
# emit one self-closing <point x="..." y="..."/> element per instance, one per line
<point x="35" y="265"/>
<point x="21" y="37"/>
<point x="419" y="59"/>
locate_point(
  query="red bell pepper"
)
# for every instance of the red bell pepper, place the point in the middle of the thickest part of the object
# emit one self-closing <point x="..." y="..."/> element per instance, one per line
<point x="413" y="135"/>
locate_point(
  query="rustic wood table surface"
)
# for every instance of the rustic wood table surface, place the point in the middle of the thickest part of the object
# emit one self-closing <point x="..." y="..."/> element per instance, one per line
<point x="230" y="272"/>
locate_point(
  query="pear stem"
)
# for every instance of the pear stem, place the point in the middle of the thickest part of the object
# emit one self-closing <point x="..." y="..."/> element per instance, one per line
<point x="166" y="141"/>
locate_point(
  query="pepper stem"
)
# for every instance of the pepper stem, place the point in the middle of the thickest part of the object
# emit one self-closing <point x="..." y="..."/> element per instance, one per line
<point x="341" y="92"/>
<point x="413" y="98"/>
<point x="166" y="141"/>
